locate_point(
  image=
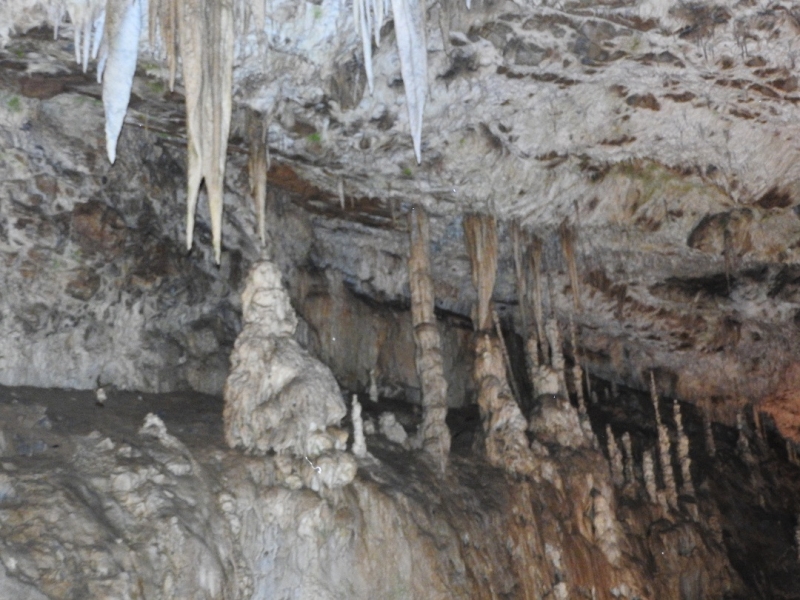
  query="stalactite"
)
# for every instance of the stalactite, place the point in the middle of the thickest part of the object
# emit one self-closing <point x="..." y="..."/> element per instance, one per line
<point x="521" y="277"/>
<point x="506" y="357"/>
<point x="627" y="446"/>
<point x="118" y="65"/>
<point x="163" y="25"/>
<point x="206" y="40"/>
<point x="359" y="441"/>
<point x="708" y="433"/>
<point x="409" y="29"/>
<point x="434" y="435"/>
<point x="87" y="18"/>
<point x="480" y="232"/>
<point x="258" y="166"/>
<point x="665" y="458"/>
<point x="568" y="247"/>
<point x="649" y="473"/>
<point x="615" y="458"/>
<point x="504" y="425"/>
<point x="683" y="451"/>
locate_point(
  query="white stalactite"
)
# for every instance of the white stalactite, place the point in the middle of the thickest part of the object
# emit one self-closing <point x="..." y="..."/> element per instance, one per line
<point x="118" y="65"/>
<point x="409" y="28"/>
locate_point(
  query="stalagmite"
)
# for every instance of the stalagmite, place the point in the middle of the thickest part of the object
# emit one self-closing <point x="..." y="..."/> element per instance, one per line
<point x="257" y="166"/>
<point x="791" y="453"/>
<point x="503" y="423"/>
<point x="538" y="311"/>
<point x="118" y="65"/>
<point x="373" y="386"/>
<point x="557" y="354"/>
<point x="649" y="474"/>
<point x="434" y="435"/>
<point x="759" y="425"/>
<point x="683" y="451"/>
<point x="797" y="538"/>
<point x="627" y="446"/>
<point x="359" y="442"/>
<point x="206" y="41"/>
<point x="664" y="455"/>
<point x="742" y="443"/>
<point x="615" y="458"/>
<point x="708" y="433"/>
<point x="577" y="371"/>
<point x="278" y="398"/>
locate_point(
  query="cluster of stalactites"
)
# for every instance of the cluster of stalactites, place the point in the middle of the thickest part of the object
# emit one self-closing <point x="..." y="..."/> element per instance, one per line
<point x="110" y="30"/>
<point x="409" y="29"/>
<point x="203" y="31"/>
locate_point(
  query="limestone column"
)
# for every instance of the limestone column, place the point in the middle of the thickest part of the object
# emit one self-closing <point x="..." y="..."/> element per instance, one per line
<point x="664" y="455"/>
<point x="503" y="423"/>
<point x="434" y="435"/>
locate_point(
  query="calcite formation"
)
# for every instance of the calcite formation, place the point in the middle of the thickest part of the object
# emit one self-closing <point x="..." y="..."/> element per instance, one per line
<point x="278" y="398"/>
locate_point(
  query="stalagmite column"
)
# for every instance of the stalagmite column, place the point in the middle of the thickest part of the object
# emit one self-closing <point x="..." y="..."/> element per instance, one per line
<point x="257" y="166"/>
<point x="650" y="477"/>
<point x="503" y="423"/>
<point x="683" y="451"/>
<point x="627" y="445"/>
<point x="434" y="435"/>
<point x="373" y="386"/>
<point x="538" y="311"/>
<point x="359" y="442"/>
<point x="615" y="458"/>
<point x="665" y="458"/>
<point x="577" y="371"/>
<point x="742" y="443"/>
<point x="557" y="361"/>
<point x="279" y="400"/>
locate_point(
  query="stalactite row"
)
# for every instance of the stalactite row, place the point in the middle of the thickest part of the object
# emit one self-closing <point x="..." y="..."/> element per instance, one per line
<point x="665" y="460"/>
<point x="203" y="32"/>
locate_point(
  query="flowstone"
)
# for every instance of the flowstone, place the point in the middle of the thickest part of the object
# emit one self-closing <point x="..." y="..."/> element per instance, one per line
<point x="278" y="398"/>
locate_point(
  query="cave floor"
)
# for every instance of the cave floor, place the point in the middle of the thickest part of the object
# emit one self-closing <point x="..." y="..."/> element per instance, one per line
<point x="756" y="503"/>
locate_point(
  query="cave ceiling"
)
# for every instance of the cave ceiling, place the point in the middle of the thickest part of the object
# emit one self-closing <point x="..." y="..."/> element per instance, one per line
<point x="664" y="133"/>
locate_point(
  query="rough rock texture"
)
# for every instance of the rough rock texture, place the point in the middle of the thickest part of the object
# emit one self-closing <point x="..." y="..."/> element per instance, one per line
<point x="96" y="504"/>
<point x="278" y="398"/>
<point x="95" y="288"/>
